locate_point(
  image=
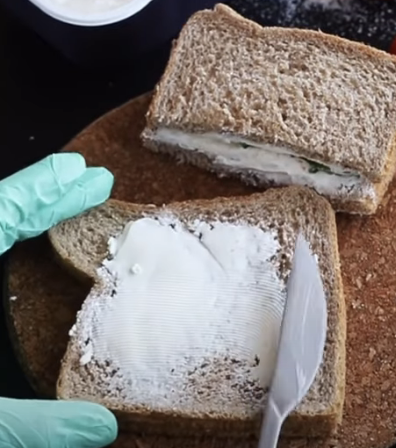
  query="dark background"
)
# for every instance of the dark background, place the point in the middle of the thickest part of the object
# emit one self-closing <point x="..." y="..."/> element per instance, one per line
<point x="46" y="100"/>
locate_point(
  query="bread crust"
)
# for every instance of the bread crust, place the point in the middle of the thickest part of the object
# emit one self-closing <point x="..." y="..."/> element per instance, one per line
<point x="372" y="167"/>
<point x="301" y="422"/>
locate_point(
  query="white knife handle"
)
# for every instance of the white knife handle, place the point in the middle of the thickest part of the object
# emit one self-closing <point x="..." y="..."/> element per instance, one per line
<point x="271" y="427"/>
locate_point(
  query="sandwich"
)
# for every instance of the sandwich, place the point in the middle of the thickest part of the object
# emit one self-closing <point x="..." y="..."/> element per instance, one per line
<point x="179" y="332"/>
<point x="279" y="106"/>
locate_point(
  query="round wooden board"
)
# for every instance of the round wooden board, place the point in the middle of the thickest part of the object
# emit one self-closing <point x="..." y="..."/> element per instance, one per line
<point x="47" y="298"/>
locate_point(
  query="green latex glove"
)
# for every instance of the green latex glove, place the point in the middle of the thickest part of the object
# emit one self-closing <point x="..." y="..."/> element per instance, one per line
<point x="40" y="196"/>
<point x="32" y="201"/>
<point x="55" y="424"/>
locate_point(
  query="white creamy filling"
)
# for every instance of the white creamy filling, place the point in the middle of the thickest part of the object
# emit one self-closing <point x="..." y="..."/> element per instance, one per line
<point x="90" y="6"/>
<point x="185" y="297"/>
<point x="279" y="164"/>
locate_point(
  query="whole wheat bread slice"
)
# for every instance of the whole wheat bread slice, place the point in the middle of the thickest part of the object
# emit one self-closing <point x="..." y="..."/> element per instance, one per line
<point x="324" y="98"/>
<point x="82" y="244"/>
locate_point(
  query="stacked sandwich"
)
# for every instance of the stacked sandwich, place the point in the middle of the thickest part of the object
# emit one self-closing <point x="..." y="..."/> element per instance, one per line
<point x="173" y="336"/>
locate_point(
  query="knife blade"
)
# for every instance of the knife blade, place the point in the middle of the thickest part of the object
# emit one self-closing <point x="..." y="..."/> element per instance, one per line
<point x="301" y="343"/>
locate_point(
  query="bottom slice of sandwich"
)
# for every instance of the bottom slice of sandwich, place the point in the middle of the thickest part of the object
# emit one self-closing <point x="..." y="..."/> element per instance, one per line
<point x="179" y="333"/>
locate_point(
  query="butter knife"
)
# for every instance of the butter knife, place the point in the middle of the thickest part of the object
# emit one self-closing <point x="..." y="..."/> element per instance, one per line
<point x="301" y="343"/>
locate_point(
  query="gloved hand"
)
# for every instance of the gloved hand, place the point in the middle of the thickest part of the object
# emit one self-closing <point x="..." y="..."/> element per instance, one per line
<point x="32" y="201"/>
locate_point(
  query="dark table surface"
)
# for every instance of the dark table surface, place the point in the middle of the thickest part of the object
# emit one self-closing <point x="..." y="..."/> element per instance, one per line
<point x="45" y="100"/>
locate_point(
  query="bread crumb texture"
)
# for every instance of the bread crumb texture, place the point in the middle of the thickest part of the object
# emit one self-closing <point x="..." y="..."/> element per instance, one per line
<point x="301" y="89"/>
<point x="48" y="298"/>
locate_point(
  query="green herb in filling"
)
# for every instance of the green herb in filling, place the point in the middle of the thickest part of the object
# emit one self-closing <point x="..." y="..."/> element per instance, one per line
<point x="315" y="167"/>
<point x="245" y="146"/>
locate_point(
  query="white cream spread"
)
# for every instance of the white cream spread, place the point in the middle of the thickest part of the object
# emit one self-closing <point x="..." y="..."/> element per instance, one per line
<point x="88" y="7"/>
<point x="185" y="296"/>
<point x="277" y="163"/>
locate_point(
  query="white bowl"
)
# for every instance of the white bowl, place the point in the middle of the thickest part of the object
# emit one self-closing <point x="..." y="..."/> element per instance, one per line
<point x="105" y="17"/>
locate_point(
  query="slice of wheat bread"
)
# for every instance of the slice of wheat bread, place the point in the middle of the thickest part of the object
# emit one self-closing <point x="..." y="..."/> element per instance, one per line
<point x="82" y="243"/>
<point x="323" y="97"/>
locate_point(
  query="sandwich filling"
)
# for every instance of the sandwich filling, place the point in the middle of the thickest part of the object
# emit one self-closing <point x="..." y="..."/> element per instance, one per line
<point x="276" y="164"/>
<point x="196" y="310"/>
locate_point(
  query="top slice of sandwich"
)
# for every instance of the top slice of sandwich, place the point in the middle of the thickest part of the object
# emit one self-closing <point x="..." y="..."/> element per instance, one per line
<point x="279" y="106"/>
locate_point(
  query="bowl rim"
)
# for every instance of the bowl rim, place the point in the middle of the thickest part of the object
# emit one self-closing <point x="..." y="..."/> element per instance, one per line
<point x="107" y="17"/>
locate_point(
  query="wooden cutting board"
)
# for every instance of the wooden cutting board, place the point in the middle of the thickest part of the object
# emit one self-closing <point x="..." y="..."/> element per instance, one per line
<point x="45" y="298"/>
